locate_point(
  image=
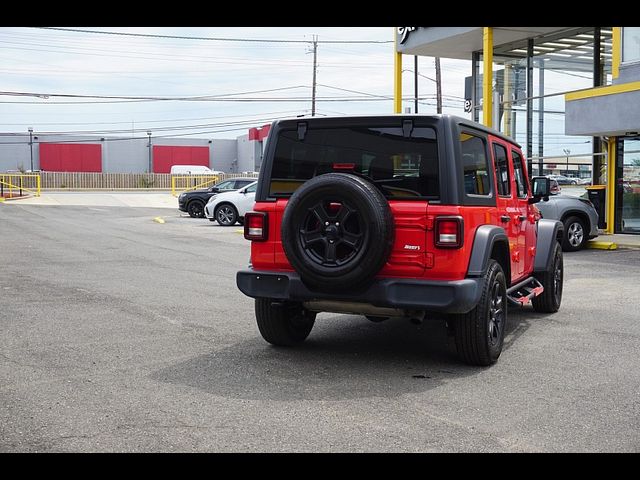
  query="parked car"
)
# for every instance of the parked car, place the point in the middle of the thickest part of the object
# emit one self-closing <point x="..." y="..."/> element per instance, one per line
<point x="563" y="180"/>
<point x="578" y="215"/>
<point x="194" y="201"/>
<point x="584" y="181"/>
<point x="230" y="207"/>
<point x="398" y="217"/>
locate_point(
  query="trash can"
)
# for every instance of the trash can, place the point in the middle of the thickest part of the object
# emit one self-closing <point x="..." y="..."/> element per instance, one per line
<point x="597" y="194"/>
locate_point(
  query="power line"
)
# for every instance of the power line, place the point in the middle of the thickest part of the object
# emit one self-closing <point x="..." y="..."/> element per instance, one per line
<point x="216" y="39"/>
<point x="140" y="98"/>
<point x="144" y="122"/>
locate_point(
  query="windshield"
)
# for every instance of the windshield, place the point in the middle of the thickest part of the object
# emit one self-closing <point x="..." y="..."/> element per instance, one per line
<point x="402" y="167"/>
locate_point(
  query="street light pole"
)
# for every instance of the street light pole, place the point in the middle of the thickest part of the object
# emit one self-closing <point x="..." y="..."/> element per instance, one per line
<point x="149" y="168"/>
<point x="567" y="152"/>
<point x="31" y="146"/>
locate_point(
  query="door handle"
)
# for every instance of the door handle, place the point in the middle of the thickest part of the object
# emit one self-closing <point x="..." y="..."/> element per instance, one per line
<point x="505" y="218"/>
<point x="522" y="218"/>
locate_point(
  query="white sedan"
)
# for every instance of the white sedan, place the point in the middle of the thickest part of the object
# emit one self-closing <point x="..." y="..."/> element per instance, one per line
<point x="229" y="207"/>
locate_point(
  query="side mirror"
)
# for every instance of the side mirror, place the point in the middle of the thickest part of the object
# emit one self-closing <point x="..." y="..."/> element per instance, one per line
<point x="540" y="188"/>
<point x="214" y="189"/>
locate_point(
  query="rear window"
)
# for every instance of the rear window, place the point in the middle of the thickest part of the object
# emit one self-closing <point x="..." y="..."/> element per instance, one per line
<point x="402" y="167"/>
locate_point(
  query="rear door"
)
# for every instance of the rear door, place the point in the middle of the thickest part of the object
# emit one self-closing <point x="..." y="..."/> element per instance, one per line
<point x="525" y="219"/>
<point x="506" y="203"/>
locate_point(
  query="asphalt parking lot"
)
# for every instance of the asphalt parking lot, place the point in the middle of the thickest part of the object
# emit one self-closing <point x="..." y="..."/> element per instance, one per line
<point x="121" y="334"/>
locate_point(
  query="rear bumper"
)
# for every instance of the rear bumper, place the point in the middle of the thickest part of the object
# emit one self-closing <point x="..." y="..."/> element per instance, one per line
<point x="457" y="296"/>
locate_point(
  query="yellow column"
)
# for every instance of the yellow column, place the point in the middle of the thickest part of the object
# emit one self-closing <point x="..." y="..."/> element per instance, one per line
<point x="616" y="51"/>
<point x="397" y="76"/>
<point x="611" y="184"/>
<point x="487" y="76"/>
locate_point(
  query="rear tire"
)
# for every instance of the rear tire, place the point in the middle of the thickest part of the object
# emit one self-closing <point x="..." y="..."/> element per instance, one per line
<point x="479" y="334"/>
<point x="283" y="324"/>
<point x="549" y="301"/>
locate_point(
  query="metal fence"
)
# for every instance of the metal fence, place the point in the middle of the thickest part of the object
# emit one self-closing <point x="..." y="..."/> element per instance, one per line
<point x="18" y="185"/>
<point x="117" y="181"/>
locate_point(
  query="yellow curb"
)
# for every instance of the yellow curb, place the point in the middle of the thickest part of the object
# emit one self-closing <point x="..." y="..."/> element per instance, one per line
<point x="602" y="245"/>
<point x="1" y="199"/>
<point x="239" y="231"/>
<point x="159" y="220"/>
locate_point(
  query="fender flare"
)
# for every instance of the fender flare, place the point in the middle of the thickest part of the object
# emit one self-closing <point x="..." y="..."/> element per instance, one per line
<point x="547" y="233"/>
<point x="485" y="238"/>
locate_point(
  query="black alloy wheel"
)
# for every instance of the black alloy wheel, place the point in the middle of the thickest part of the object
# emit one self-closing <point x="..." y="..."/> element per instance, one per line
<point x="196" y="209"/>
<point x="479" y="333"/>
<point x="337" y="232"/>
<point x="332" y="233"/>
<point x="496" y="314"/>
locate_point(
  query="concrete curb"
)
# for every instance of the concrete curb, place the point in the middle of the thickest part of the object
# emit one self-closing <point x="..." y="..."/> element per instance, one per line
<point x="595" y="244"/>
<point x="9" y="199"/>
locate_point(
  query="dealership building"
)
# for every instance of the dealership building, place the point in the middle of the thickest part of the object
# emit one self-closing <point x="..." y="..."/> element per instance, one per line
<point x="568" y="95"/>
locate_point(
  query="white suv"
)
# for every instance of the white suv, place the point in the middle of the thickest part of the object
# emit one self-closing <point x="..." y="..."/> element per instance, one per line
<point x="229" y="207"/>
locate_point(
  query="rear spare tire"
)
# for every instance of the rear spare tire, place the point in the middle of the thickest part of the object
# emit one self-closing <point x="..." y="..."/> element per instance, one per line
<point x="337" y="231"/>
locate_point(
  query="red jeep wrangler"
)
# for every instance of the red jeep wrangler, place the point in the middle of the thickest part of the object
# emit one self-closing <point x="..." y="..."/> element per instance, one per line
<point x="398" y="216"/>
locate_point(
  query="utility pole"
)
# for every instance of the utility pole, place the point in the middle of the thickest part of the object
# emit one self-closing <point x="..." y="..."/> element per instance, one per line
<point x="149" y="168"/>
<point x="31" y="146"/>
<point x="438" y="86"/>
<point x="315" y="68"/>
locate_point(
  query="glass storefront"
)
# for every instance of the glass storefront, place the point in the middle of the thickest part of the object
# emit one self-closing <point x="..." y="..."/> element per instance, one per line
<point x="628" y="201"/>
<point x="530" y="79"/>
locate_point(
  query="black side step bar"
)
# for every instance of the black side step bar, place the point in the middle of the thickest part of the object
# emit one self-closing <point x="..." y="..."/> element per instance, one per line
<point x="523" y="292"/>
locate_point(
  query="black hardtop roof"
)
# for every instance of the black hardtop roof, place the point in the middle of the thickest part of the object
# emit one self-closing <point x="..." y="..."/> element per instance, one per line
<point x="363" y="119"/>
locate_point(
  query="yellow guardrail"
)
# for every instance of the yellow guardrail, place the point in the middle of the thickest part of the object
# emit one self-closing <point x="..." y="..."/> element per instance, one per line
<point x="19" y="184"/>
<point x="184" y="183"/>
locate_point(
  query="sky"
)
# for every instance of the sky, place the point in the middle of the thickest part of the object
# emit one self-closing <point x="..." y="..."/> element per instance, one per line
<point x="273" y="80"/>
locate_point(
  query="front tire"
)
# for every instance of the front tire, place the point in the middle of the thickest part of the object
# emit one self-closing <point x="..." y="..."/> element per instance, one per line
<point x="552" y="281"/>
<point x="226" y="215"/>
<point x="195" y="209"/>
<point x="575" y="234"/>
<point x="479" y="334"/>
<point x="284" y="324"/>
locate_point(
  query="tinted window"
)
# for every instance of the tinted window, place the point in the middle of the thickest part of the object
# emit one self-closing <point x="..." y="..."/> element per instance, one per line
<point x="243" y="183"/>
<point x="503" y="178"/>
<point x="474" y="162"/>
<point x="401" y="167"/>
<point x="252" y="188"/>
<point x="519" y="175"/>
<point x="228" y="185"/>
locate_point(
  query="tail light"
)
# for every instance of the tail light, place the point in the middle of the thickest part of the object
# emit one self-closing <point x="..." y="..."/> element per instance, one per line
<point x="449" y="232"/>
<point x="255" y="226"/>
